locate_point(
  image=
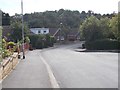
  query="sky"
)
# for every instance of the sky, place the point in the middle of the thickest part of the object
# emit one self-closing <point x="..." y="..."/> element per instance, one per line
<point x="31" y="6"/>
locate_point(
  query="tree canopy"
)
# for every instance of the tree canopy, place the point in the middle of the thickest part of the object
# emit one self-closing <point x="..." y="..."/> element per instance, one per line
<point x="93" y="28"/>
<point x="17" y="31"/>
<point x="5" y="19"/>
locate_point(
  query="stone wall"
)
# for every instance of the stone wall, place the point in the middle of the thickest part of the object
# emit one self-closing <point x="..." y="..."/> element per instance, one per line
<point x="8" y="65"/>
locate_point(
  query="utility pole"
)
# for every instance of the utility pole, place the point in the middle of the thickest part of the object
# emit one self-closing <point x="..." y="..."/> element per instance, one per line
<point x="22" y="29"/>
<point x="60" y="37"/>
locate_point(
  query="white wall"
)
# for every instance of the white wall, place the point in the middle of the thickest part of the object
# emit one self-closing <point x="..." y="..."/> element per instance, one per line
<point x="42" y="30"/>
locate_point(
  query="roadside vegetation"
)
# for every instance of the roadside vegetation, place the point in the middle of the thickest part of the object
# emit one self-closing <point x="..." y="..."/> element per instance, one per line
<point x="42" y="41"/>
<point x="101" y="34"/>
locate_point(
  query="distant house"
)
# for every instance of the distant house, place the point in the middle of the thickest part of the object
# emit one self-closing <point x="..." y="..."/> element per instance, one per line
<point x="52" y="31"/>
<point x="73" y="35"/>
<point x="56" y="32"/>
<point x="40" y="30"/>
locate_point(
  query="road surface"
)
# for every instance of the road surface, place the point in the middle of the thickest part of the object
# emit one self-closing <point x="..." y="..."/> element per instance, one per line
<point x="82" y="69"/>
<point x="71" y="69"/>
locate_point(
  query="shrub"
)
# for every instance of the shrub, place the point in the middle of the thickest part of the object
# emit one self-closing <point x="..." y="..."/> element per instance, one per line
<point x="33" y="39"/>
<point x="41" y="41"/>
<point x="104" y="44"/>
<point x="27" y="39"/>
<point x="52" y="41"/>
<point x="10" y="44"/>
<point x="6" y="53"/>
<point x="39" y="44"/>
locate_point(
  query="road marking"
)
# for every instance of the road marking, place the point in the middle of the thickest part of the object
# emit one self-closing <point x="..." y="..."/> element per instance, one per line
<point x="51" y="75"/>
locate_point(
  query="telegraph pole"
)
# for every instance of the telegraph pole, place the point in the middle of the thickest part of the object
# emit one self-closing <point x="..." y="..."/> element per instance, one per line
<point x="22" y="29"/>
<point x="60" y="32"/>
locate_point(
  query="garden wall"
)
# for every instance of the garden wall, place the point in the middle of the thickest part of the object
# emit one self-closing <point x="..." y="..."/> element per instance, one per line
<point x="8" y="65"/>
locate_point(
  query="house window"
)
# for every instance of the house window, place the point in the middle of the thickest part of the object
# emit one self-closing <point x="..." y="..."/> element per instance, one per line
<point x="44" y="31"/>
<point x="39" y="32"/>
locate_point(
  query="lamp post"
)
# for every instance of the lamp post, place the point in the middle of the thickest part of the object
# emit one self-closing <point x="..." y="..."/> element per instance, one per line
<point x="60" y="32"/>
<point x="22" y="29"/>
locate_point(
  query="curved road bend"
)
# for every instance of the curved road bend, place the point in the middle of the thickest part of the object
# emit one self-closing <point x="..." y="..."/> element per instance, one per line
<point x="82" y="69"/>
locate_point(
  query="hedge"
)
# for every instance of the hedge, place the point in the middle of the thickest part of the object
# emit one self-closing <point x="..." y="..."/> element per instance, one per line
<point x="105" y="44"/>
<point x="41" y="41"/>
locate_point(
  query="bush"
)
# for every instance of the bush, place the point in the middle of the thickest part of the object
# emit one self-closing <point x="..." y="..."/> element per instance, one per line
<point x="6" y="53"/>
<point x="52" y="41"/>
<point x="33" y="39"/>
<point x="104" y="44"/>
<point x="41" y="41"/>
<point x="39" y="44"/>
<point x="10" y="44"/>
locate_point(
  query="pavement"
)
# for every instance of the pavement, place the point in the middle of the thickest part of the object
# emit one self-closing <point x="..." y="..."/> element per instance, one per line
<point x="29" y="73"/>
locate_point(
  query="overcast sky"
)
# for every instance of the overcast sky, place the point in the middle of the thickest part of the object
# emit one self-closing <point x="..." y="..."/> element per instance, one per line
<point x="98" y="6"/>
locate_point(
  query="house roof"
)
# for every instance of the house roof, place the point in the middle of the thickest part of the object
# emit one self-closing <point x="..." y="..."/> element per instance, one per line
<point x="52" y="31"/>
<point x="73" y="32"/>
<point x="31" y="33"/>
<point x="55" y="32"/>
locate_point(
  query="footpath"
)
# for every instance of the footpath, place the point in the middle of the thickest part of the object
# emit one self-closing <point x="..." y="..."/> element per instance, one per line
<point x="29" y="73"/>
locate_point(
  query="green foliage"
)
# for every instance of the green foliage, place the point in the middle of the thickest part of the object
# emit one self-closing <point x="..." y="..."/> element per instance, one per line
<point x="6" y="53"/>
<point x="52" y="19"/>
<point x="33" y="39"/>
<point x="104" y="22"/>
<point x="8" y="48"/>
<point x="119" y="26"/>
<point x="114" y="27"/>
<point x="10" y="44"/>
<point x="4" y="44"/>
<point x="27" y="39"/>
<point x="41" y="41"/>
<point x="5" y="19"/>
<point x="104" y="44"/>
<point x="17" y="31"/>
<point x="91" y="29"/>
<point x="0" y="43"/>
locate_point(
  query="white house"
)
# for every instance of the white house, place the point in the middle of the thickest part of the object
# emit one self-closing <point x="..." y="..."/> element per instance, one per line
<point x="52" y="31"/>
<point x="40" y="30"/>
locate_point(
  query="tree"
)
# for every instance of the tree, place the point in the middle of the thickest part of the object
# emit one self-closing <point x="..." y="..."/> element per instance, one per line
<point x="5" y="19"/>
<point x="17" y="31"/>
<point x="114" y="27"/>
<point x="105" y="22"/>
<point x="119" y="26"/>
<point x="91" y="29"/>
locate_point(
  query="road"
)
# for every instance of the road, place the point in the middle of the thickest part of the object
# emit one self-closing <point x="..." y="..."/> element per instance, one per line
<point x="71" y="69"/>
<point x="82" y="69"/>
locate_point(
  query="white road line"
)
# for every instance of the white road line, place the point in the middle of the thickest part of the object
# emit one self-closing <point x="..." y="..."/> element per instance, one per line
<point x="51" y="75"/>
